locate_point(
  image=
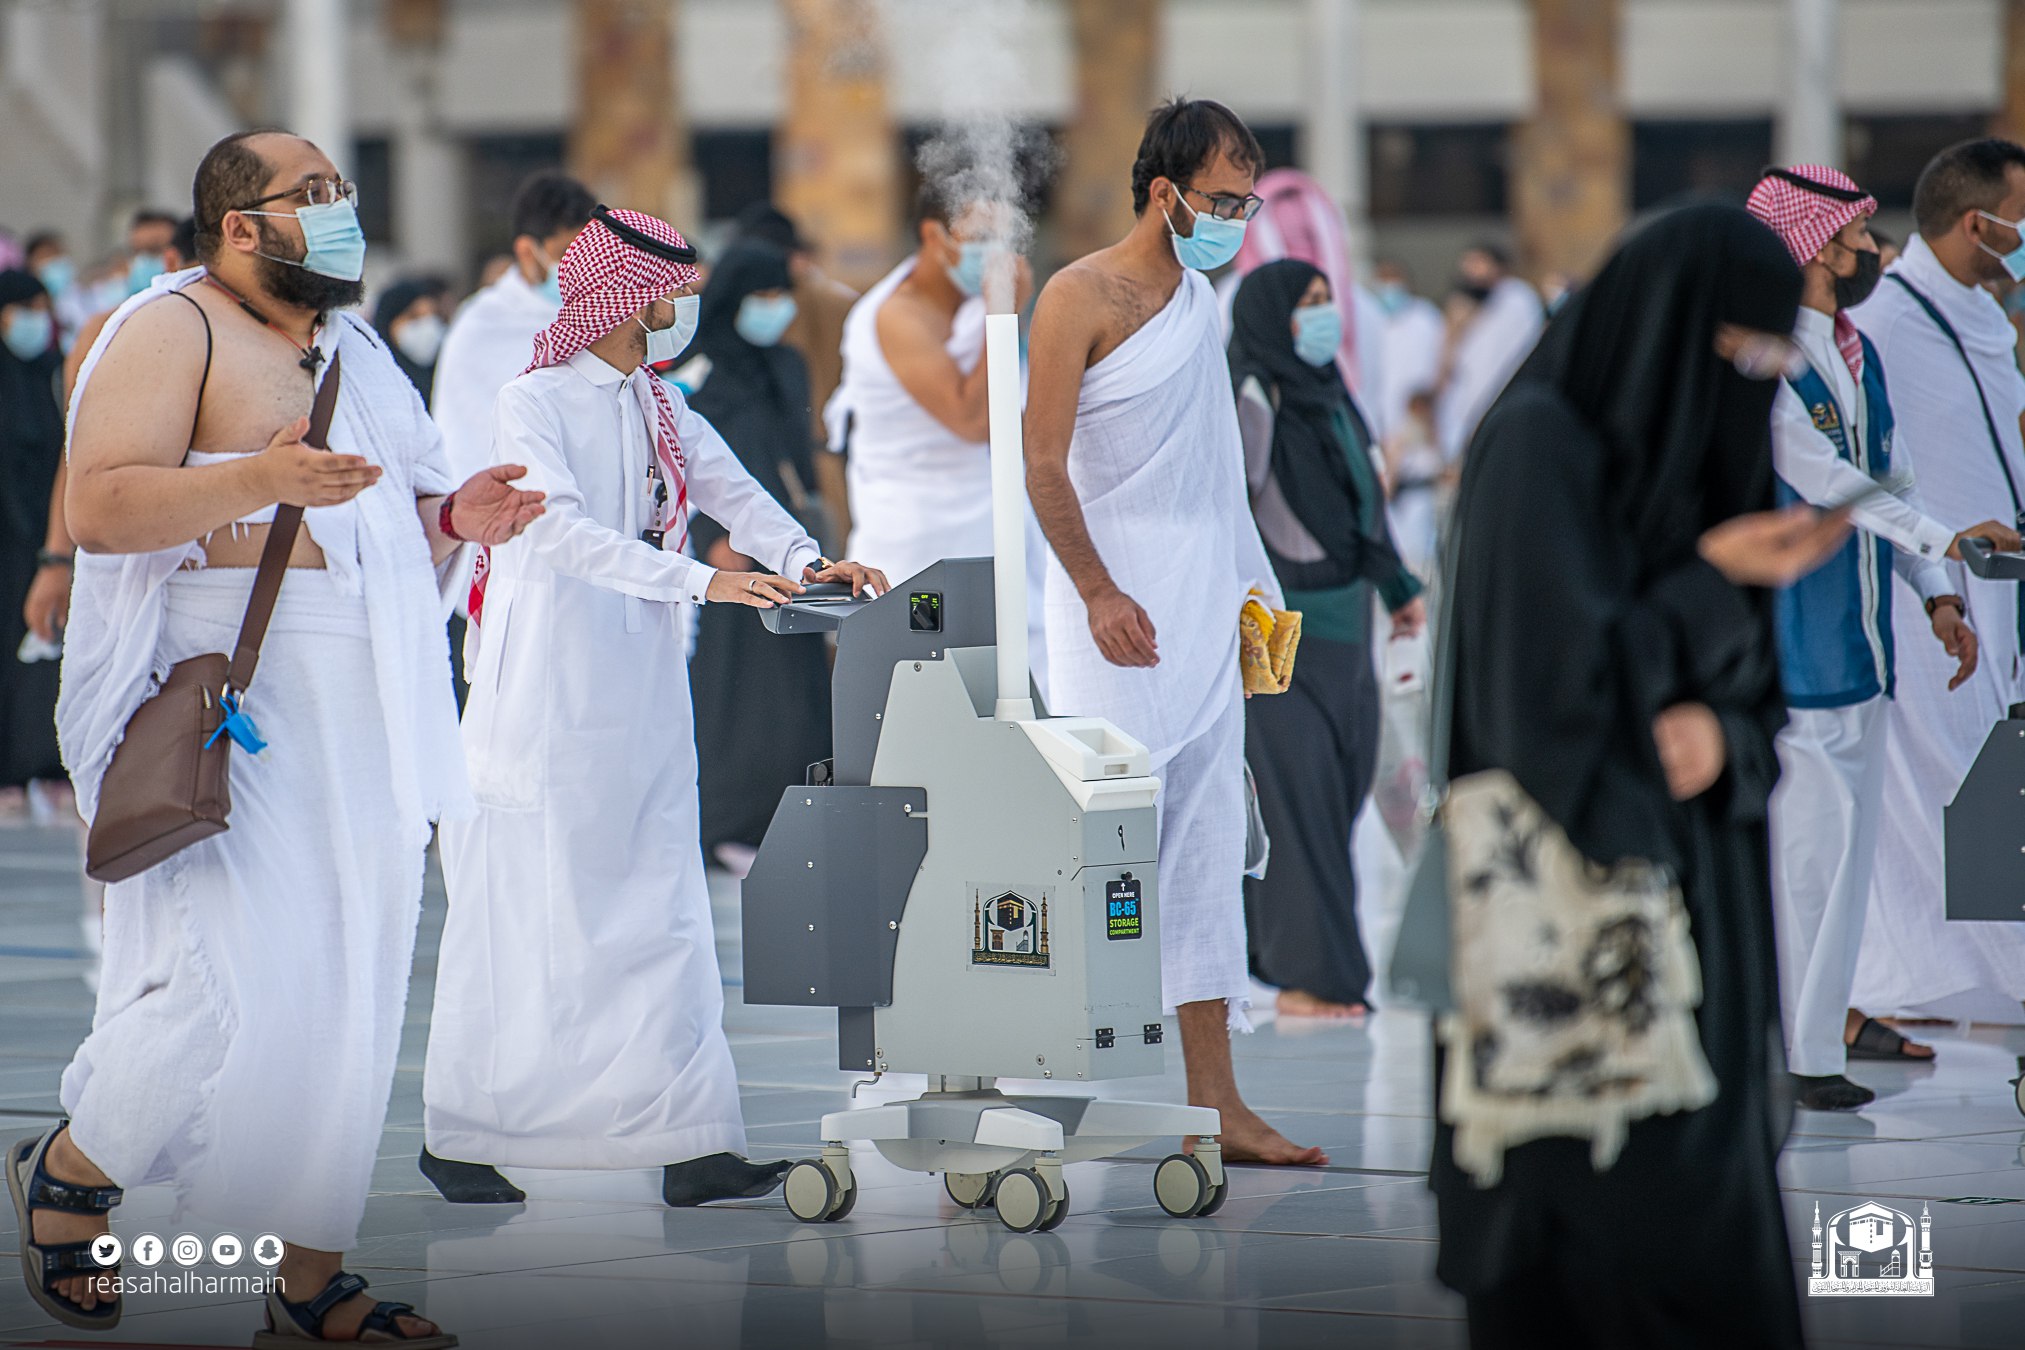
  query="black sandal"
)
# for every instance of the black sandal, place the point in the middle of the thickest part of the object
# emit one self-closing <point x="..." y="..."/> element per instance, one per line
<point x="289" y="1325"/>
<point x="1875" y="1040"/>
<point x="46" y="1264"/>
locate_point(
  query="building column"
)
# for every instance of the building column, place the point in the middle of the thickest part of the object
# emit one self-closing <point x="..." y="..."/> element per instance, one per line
<point x="2010" y="119"/>
<point x="317" y="43"/>
<point x="1333" y="139"/>
<point x="1571" y="178"/>
<point x="1117" y="47"/>
<point x="428" y="168"/>
<point x="836" y="157"/>
<point x="629" y="142"/>
<point x="1810" y="120"/>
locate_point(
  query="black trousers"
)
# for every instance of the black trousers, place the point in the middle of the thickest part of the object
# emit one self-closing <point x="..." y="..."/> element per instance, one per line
<point x="1313" y="752"/>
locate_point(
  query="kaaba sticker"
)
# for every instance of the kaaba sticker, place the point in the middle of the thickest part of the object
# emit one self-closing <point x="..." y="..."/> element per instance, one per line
<point x="1008" y="928"/>
<point x="1826" y="420"/>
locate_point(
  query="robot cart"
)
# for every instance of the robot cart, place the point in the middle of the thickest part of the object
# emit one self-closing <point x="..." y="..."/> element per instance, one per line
<point x="1985" y="824"/>
<point x="977" y="897"/>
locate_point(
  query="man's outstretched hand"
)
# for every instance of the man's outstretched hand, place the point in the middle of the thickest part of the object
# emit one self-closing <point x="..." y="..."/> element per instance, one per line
<point x="489" y="510"/>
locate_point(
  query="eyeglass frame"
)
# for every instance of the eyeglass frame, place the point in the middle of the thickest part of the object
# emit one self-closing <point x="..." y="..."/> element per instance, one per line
<point x="1250" y="204"/>
<point x="346" y="190"/>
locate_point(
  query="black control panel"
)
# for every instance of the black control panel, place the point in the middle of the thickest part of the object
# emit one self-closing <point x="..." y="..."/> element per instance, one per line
<point x="924" y="611"/>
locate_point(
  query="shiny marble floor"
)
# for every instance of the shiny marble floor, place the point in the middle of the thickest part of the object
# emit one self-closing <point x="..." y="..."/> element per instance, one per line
<point x="1341" y="1256"/>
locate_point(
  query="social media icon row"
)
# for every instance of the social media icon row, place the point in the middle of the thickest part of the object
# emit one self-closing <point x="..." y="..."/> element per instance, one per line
<point x="187" y="1249"/>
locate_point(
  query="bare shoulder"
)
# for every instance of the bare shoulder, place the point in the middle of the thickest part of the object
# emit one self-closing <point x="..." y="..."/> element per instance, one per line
<point x="1108" y="302"/>
<point x="906" y="318"/>
<point x="168" y="335"/>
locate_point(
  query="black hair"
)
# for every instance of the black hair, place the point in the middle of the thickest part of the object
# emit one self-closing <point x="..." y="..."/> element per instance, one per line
<point x="765" y="221"/>
<point x="150" y="216"/>
<point x="1963" y="178"/>
<point x="931" y="202"/>
<point x="184" y="240"/>
<point x="548" y="203"/>
<point x="1493" y="250"/>
<point x="1182" y="136"/>
<point x="230" y="175"/>
<point x="40" y="240"/>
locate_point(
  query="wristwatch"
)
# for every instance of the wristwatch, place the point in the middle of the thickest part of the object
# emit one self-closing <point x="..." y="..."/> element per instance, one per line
<point x="1961" y="608"/>
<point x="50" y="558"/>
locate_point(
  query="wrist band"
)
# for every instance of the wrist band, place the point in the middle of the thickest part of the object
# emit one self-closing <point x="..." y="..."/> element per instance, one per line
<point x="50" y="558"/>
<point x="1940" y="600"/>
<point x="443" y="520"/>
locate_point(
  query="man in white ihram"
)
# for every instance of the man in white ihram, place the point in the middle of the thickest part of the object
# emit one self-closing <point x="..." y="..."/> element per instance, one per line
<point x="579" y="1009"/>
<point x="1136" y="470"/>
<point x="250" y="1011"/>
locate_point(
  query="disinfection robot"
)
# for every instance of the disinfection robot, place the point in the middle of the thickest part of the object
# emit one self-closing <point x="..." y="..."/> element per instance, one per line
<point x="971" y="884"/>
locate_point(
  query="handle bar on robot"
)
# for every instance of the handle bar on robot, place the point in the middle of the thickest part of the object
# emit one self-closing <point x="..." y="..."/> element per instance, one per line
<point x="1983" y="560"/>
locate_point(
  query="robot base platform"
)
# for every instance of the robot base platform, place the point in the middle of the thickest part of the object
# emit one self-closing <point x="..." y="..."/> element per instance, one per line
<point x="1006" y="1152"/>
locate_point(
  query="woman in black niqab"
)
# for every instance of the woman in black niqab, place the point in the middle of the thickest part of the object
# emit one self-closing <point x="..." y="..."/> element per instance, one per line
<point x="1583" y="611"/>
<point x="762" y="701"/>
<point x="31" y="447"/>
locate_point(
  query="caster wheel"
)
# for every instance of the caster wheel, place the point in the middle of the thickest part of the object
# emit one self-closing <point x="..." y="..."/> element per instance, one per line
<point x="811" y="1192"/>
<point x="1022" y="1200"/>
<point x="1215" y="1202"/>
<point x="1056" y="1213"/>
<point x="971" y="1190"/>
<point x="846" y="1202"/>
<point x="2018" y="1090"/>
<point x="1181" y="1185"/>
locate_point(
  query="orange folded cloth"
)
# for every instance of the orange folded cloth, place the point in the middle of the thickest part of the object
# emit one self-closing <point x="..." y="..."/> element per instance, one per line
<point x="1267" y="641"/>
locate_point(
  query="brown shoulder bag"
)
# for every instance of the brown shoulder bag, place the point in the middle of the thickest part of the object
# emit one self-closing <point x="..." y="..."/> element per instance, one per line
<point x="169" y="783"/>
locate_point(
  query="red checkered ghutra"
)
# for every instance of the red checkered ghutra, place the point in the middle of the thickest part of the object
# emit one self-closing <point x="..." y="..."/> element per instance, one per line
<point x="1805" y="221"/>
<point x="605" y="282"/>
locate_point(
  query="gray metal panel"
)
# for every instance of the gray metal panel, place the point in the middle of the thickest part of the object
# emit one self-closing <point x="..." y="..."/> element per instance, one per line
<point x="876" y="637"/>
<point x="857" y="1045"/>
<point x="822" y="906"/>
<point x="1985" y="827"/>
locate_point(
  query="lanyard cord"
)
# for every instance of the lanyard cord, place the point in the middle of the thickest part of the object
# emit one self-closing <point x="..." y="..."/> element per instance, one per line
<point x="312" y="355"/>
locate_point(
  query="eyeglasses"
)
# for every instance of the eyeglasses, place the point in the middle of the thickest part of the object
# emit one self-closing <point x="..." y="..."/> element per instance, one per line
<point x="1226" y="207"/>
<point x="317" y="192"/>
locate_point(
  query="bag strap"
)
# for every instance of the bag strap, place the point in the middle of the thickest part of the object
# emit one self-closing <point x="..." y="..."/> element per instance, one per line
<point x="204" y="382"/>
<point x="280" y="544"/>
<point x="1982" y="400"/>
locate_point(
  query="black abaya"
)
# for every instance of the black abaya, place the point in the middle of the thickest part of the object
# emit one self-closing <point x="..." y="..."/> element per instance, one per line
<point x="762" y="702"/>
<point x="31" y="447"/>
<point x="1582" y="611"/>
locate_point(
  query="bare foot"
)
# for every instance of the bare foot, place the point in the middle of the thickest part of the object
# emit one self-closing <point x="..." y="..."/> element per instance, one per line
<point x="1301" y="1003"/>
<point x="1246" y="1138"/>
<point x="65" y="1163"/>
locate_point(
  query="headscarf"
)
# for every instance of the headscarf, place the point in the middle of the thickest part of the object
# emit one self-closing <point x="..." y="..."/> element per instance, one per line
<point x="756" y="397"/>
<point x="1301" y="220"/>
<point x="1632" y="352"/>
<point x="1806" y="218"/>
<point x="31" y="432"/>
<point x="1309" y="457"/>
<point x="606" y="281"/>
<point x="391" y="305"/>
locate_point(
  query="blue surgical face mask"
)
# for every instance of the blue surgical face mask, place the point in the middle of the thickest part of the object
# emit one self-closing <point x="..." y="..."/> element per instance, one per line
<point x="968" y="271"/>
<point x="2014" y="261"/>
<point x="29" y="332"/>
<point x="665" y="344"/>
<point x="1392" y="296"/>
<point x="334" y="243"/>
<point x="57" y="275"/>
<point x="550" y="288"/>
<point x="143" y="270"/>
<point x="762" y="319"/>
<point x="1318" y="332"/>
<point x="1214" y="243"/>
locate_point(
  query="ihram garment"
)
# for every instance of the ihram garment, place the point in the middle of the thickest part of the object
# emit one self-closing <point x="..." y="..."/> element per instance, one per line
<point x="1158" y="466"/>
<point x="250" y="1009"/>
<point x="1914" y="960"/>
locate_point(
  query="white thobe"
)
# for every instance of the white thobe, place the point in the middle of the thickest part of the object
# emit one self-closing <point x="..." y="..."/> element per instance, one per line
<point x="1489" y="352"/>
<point x="1914" y="960"/>
<point x="1831" y="760"/>
<point x="490" y="341"/>
<point x="255" y="984"/>
<point x="579" y="1008"/>
<point x="1413" y="338"/>
<point x="1158" y="467"/>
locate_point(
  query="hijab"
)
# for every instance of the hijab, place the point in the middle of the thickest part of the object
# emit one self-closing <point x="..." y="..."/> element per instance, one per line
<point x="392" y="304"/>
<point x="1314" y="410"/>
<point x="1632" y="353"/>
<point x="31" y="427"/>
<point x="756" y="397"/>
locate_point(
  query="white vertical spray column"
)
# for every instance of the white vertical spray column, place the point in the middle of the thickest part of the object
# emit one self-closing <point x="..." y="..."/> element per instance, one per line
<point x="1008" y="515"/>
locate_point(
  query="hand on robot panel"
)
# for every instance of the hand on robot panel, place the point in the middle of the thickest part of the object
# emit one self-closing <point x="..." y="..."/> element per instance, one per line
<point x="860" y="577"/>
<point x="761" y="590"/>
<point x="1122" y="630"/>
<point x="2003" y="539"/>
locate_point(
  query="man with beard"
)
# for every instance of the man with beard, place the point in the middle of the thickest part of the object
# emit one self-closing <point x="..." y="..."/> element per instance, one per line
<point x="250" y="1010"/>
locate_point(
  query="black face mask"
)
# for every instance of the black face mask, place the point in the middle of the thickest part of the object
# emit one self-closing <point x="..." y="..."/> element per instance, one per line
<point x="1473" y="290"/>
<point x="1854" y="289"/>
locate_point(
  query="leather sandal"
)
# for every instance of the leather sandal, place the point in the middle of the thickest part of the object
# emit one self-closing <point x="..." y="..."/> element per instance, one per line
<point x="289" y="1325"/>
<point x="44" y="1265"/>
<point x="1875" y="1040"/>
